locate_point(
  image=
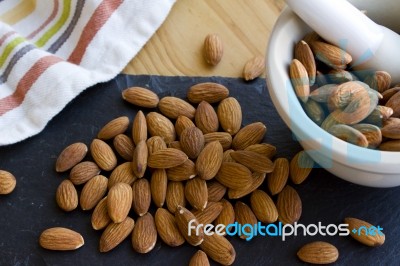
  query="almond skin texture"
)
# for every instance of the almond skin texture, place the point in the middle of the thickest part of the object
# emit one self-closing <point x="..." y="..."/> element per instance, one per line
<point x="206" y="118"/>
<point x="119" y="202"/>
<point x="7" y="182"/>
<point x="182" y="172"/>
<point x="256" y="181"/>
<point x="192" y="141"/>
<point x="71" y="156"/>
<point x="209" y="160"/>
<point x="182" y="122"/>
<point x="167" y="158"/>
<point x="208" y="91"/>
<point x="167" y="228"/>
<point x="83" y="171"/>
<point x="175" y="196"/>
<point x="139" y="159"/>
<point x="300" y="81"/>
<point x="123" y="173"/>
<point x="59" y="238"/>
<point x="210" y="213"/>
<point x="264" y="149"/>
<point x="263" y="207"/>
<point x="254" y="161"/>
<point x="216" y="191"/>
<point x="66" y="196"/>
<point x="183" y="217"/>
<point x="141" y="199"/>
<point x="103" y="155"/>
<point x="158" y="186"/>
<point x="234" y="175"/>
<point x="124" y="146"/>
<point x="113" y="128"/>
<point x="115" y="233"/>
<point x="139" y="128"/>
<point x="278" y="178"/>
<point x="213" y="49"/>
<point x="141" y="97"/>
<point x="230" y="115"/>
<point x="223" y="137"/>
<point x="199" y="259"/>
<point x="244" y="215"/>
<point x="227" y="215"/>
<point x="173" y="107"/>
<point x="219" y="249"/>
<point x="371" y="239"/>
<point x="330" y="54"/>
<point x="289" y="205"/>
<point x="303" y="53"/>
<point x="254" y="68"/>
<point x="144" y="234"/>
<point x="318" y="252"/>
<point x="249" y="135"/>
<point x="159" y="125"/>
<point x="100" y="218"/>
<point x="93" y="192"/>
<point x="154" y="144"/>
<point x="196" y="193"/>
<point x="300" y="167"/>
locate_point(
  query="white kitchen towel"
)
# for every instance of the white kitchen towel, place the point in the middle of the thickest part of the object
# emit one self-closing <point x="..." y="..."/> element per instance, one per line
<point x="50" y="51"/>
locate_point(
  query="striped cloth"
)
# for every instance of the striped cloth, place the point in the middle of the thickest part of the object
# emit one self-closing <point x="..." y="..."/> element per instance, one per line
<point x="50" y="51"/>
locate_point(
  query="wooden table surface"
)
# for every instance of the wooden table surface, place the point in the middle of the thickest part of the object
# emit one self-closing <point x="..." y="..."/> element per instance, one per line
<point x="176" y="48"/>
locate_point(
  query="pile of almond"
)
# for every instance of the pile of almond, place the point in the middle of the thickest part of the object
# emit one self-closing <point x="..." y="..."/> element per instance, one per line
<point x="357" y="107"/>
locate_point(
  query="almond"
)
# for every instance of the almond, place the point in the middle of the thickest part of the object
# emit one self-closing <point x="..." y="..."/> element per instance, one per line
<point x="264" y="149"/>
<point x="256" y="181"/>
<point x="183" y="218"/>
<point x="244" y="215"/>
<point x="330" y="54"/>
<point x="391" y="128"/>
<point x="100" y="218"/>
<point x="318" y="252"/>
<point x="93" y="191"/>
<point x="303" y="53"/>
<point x="372" y="133"/>
<point x="391" y="145"/>
<point x="227" y="215"/>
<point x="158" y="186"/>
<point x="167" y="158"/>
<point x="230" y="115"/>
<point x="141" y="196"/>
<point x="363" y="232"/>
<point x="278" y="178"/>
<point x="344" y="94"/>
<point x="394" y="103"/>
<point x="116" y="126"/>
<point x="192" y="141"/>
<point x="289" y="205"/>
<point x="175" y="144"/>
<point x="199" y="259"/>
<point x="349" y="134"/>
<point x="175" y="195"/>
<point x="71" y="156"/>
<point x="182" y="172"/>
<point x="206" y="118"/>
<point x="213" y="49"/>
<point x="140" y="159"/>
<point x="208" y="91"/>
<point x="141" y="97"/>
<point x="83" y="171"/>
<point x="215" y="191"/>
<point x="122" y="173"/>
<point x="196" y="193"/>
<point x="181" y="123"/>
<point x="223" y="137"/>
<point x="387" y="94"/>
<point x="322" y="93"/>
<point x="226" y="157"/>
<point x="379" y="81"/>
<point x="159" y="125"/>
<point x="254" y="161"/>
<point x="115" y="233"/>
<point x="254" y="68"/>
<point x="155" y="143"/>
<point x="119" y="202"/>
<point x="234" y="175"/>
<point x="300" y="167"/>
<point x="249" y="135"/>
<point x="66" y="195"/>
<point x="219" y="249"/>
<point x="124" y="146"/>
<point x="315" y="111"/>
<point x="7" y="182"/>
<point x="339" y="76"/>
<point x="167" y="228"/>
<point x="103" y="155"/>
<point x="385" y="111"/>
<point x="173" y="107"/>
<point x="263" y="207"/>
<point x="300" y="81"/>
<point x="59" y="238"/>
<point x="210" y="213"/>
<point x="144" y="235"/>
<point x="209" y="160"/>
<point x="139" y="128"/>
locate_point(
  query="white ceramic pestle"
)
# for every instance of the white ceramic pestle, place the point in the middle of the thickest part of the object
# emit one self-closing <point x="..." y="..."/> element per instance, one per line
<point x="372" y="46"/>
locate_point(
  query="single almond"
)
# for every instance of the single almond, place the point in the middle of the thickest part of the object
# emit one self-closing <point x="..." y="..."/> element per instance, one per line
<point x="300" y="80"/>
<point x="209" y="160"/>
<point x="141" y="196"/>
<point x="100" y="218"/>
<point x="230" y="115"/>
<point x="192" y="141"/>
<point x="181" y="123"/>
<point x="158" y="186"/>
<point x="167" y="228"/>
<point x="330" y="54"/>
<point x="254" y="68"/>
<point x="116" y="126"/>
<point x="318" y="252"/>
<point x="183" y="218"/>
<point x="391" y="128"/>
<point x="387" y="94"/>
<point x="344" y="94"/>
<point x="83" y="171"/>
<point x="175" y="144"/>
<point x="140" y="159"/>
<point x="394" y="103"/>
<point x="379" y="81"/>
<point x="303" y="53"/>
<point x="155" y="143"/>
<point x="289" y="205"/>
<point x="7" y="182"/>
<point x="223" y="137"/>
<point x="385" y="111"/>
<point x="254" y="161"/>
<point x="256" y="181"/>
<point x="182" y="172"/>
<point x="391" y="145"/>
<point x="196" y="193"/>
<point x="92" y="192"/>
<point x="173" y="107"/>
<point x="219" y="249"/>
<point x="277" y="180"/>
<point x="175" y="196"/>
<point x="66" y="195"/>
<point x="122" y="173"/>
<point x="167" y="158"/>
<point x="159" y="125"/>
<point x="103" y="155"/>
<point x="213" y="49"/>
<point x="263" y="207"/>
<point x="215" y="190"/>
<point x="119" y="202"/>
<point x="206" y="118"/>
<point x="264" y="149"/>
<point x="141" y="97"/>
<point x="144" y="234"/>
<point x="234" y="175"/>
<point x="199" y="259"/>
<point x="124" y="146"/>
<point x="115" y="233"/>
<point x="60" y="238"/>
<point x="139" y="128"/>
<point x="227" y="215"/>
<point x="300" y="167"/>
<point x="210" y="213"/>
<point x="372" y="133"/>
<point x="71" y="156"/>
<point x="244" y="215"/>
<point x="365" y="232"/>
<point x="208" y="91"/>
<point x="249" y="135"/>
<point x="349" y="134"/>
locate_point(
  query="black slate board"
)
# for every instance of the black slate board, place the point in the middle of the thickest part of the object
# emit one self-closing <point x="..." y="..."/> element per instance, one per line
<point x="31" y="208"/>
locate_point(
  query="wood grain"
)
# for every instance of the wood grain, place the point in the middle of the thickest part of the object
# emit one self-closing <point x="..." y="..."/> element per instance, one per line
<point x="176" y="48"/>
